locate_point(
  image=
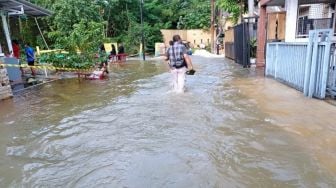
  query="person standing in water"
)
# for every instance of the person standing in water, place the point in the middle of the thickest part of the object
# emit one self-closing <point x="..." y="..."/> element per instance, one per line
<point x="113" y="53"/>
<point x="179" y="62"/>
<point x="16" y="53"/>
<point x="30" y="57"/>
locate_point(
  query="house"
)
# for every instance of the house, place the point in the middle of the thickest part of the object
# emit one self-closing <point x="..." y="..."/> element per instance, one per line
<point x="299" y="45"/>
<point x="17" y="8"/>
<point x="13" y="8"/>
<point x="299" y="17"/>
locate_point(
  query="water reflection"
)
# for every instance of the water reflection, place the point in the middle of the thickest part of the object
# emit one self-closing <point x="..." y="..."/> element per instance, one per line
<point x="130" y="131"/>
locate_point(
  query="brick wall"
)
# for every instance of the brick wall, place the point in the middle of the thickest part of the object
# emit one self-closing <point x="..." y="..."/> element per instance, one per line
<point x="5" y="88"/>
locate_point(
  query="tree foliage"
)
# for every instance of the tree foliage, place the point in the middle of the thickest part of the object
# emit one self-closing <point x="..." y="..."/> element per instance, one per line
<point x="197" y="15"/>
<point x="234" y="7"/>
<point x="120" y="19"/>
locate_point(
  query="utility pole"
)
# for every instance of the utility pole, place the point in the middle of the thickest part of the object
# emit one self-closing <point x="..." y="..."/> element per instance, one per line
<point x="241" y="11"/>
<point x="251" y="8"/>
<point x="142" y="31"/>
<point x="212" y="28"/>
<point x="251" y="14"/>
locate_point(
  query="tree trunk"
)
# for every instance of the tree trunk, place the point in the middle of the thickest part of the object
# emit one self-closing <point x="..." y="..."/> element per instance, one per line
<point x="212" y="29"/>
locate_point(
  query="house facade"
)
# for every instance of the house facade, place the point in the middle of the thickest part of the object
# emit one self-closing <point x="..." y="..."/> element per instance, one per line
<point x="301" y="16"/>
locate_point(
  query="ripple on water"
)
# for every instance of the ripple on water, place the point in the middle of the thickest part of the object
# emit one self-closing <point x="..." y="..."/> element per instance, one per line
<point x="130" y="131"/>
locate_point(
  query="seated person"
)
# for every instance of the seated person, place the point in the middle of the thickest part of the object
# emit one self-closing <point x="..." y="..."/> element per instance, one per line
<point x="100" y="72"/>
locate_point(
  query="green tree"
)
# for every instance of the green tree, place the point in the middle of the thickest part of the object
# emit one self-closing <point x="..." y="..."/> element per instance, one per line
<point x="119" y="20"/>
<point x="198" y="15"/>
<point x="235" y="7"/>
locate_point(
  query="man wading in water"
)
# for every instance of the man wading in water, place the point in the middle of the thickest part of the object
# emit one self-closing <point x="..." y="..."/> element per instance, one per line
<point x="179" y="61"/>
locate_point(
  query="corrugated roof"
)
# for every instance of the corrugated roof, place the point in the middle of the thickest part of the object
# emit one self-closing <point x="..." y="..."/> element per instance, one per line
<point x="29" y="8"/>
<point x="282" y="2"/>
<point x="315" y="1"/>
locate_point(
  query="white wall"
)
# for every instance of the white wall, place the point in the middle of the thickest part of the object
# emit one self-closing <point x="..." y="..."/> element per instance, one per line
<point x="291" y="22"/>
<point x="291" y="19"/>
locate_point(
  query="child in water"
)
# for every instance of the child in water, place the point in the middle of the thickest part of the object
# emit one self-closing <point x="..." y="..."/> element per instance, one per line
<point x="101" y="72"/>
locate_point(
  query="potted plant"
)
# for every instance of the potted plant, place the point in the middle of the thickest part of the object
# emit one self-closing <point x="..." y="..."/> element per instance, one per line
<point x="253" y="50"/>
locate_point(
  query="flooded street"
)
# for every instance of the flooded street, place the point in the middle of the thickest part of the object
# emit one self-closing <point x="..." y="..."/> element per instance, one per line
<point x="232" y="128"/>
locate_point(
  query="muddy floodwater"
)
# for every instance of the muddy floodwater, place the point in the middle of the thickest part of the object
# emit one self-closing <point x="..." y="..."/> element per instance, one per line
<point x="231" y="128"/>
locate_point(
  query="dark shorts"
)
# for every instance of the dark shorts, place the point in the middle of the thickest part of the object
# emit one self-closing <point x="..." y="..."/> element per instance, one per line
<point x="31" y="63"/>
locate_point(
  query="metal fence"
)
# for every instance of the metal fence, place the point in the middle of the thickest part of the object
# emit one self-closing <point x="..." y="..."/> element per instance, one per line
<point x="308" y="67"/>
<point x="240" y="42"/>
<point x="229" y="50"/>
<point x="331" y="85"/>
<point x="286" y="62"/>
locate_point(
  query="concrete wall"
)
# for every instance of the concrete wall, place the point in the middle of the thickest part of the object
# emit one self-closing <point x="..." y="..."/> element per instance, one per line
<point x="194" y="36"/>
<point x="5" y="88"/>
<point x="229" y="35"/>
<point x="198" y="36"/>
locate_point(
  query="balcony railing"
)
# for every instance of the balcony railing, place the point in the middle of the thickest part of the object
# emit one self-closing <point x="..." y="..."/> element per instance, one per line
<point x="305" y="25"/>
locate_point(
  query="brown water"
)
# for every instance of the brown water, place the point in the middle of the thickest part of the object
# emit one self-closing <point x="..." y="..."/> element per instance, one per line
<point x="230" y="129"/>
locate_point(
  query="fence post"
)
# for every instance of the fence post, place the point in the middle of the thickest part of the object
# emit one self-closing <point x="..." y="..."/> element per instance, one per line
<point x="325" y="65"/>
<point x="308" y="64"/>
<point x="276" y="60"/>
<point x="325" y="70"/>
<point x="312" y="80"/>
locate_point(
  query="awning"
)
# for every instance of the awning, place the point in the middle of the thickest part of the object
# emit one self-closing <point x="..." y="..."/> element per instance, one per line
<point x="12" y="6"/>
<point x="272" y="2"/>
<point x="315" y="1"/>
<point x="17" y="8"/>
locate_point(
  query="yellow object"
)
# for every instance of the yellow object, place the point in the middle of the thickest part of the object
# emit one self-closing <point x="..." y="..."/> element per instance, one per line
<point x="160" y="49"/>
<point x="49" y="67"/>
<point x="108" y="47"/>
<point x="39" y="52"/>
<point x="140" y="51"/>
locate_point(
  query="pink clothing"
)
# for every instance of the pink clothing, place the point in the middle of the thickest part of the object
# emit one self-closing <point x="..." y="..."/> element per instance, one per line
<point x="178" y="79"/>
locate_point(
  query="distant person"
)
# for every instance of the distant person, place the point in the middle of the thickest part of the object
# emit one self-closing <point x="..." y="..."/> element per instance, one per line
<point x="189" y="50"/>
<point x="100" y="72"/>
<point x="113" y="53"/>
<point x="202" y="45"/>
<point x="103" y="67"/>
<point x="102" y="49"/>
<point x="16" y="53"/>
<point x="16" y="49"/>
<point x="29" y="51"/>
<point x="121" y="51"/>
<point x="178" y="63"/>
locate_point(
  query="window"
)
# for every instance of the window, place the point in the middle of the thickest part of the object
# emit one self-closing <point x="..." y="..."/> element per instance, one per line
<point x="315" y="16"/>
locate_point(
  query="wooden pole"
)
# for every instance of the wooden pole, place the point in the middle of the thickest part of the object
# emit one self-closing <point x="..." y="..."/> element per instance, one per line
<point x="142" y="31"/>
